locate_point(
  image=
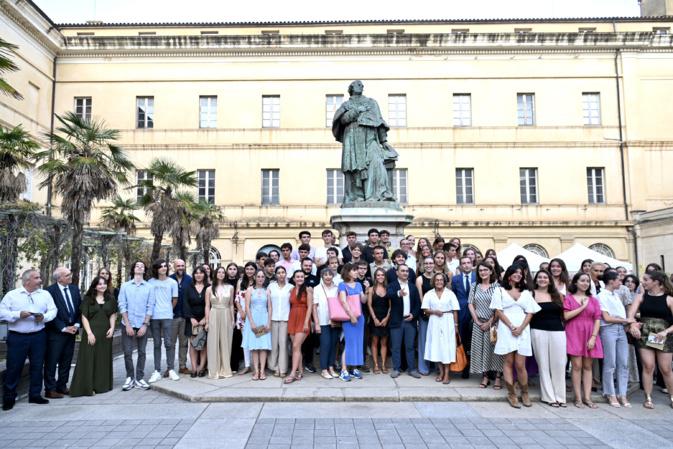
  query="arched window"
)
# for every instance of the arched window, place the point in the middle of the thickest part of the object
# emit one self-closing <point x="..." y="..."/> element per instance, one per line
<point x="267" y="248"/>
<point x="214" y="257"/>
<point x="537" y="249"/>
<point x="603" y="249"/>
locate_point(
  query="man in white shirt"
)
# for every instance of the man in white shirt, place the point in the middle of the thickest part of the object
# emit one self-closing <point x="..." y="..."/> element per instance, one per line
<point x="321" y="251"/>
<point x="26" y="309"/>
<point x="286" y="261"/>
<point x="406" y="247"/>
<point x="165" y="292"/>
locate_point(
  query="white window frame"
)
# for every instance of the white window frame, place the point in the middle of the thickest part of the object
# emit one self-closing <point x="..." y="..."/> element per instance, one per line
<point x="147" y="106"/>
<point x="141" y="175"/>
<point x="591" y="108"/>
<point x="332" y="103"/>
<point x="83" y="107"/>
<point x="400" y="184"/>
<point x="270" y="194"/>
<point x="462" y="110"/>
<point x="525" y="109"/>
<point x="207" y="177"/>
<point x="397" y="110"/>
<point x="270" y="111"/>
<point x="596" y="185"/>
<point x="528" y="185"/>
<point x="208" y="111"/>
<point x="464" y="185"/>
<point x="335" y="186"/>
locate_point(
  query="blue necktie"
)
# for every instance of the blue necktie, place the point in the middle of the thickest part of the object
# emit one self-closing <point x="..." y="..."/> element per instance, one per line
<point x="68" y="304"/>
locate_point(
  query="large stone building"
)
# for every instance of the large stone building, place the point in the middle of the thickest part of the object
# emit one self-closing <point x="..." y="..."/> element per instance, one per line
<point x="543" y="132"/>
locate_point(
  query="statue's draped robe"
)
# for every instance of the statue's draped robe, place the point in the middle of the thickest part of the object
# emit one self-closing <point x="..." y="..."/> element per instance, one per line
<point x="363" y="156"/>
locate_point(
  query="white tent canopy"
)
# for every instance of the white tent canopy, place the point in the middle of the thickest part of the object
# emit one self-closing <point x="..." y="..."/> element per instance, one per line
<point x="507" y="255"/>
<point x="574" y="256"/>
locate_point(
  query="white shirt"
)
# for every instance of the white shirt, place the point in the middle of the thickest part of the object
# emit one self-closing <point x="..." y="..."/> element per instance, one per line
<point x="411" y="261"/>
<point x="290" y="267"/>
<point x="320" y="295"/>
<point x="280" y="301"/>
<point x="17" y="300"/>
<point x="321" y="254"/>
<point x="453" y="266"/>
<point x="406" y="304"/>
<point x="611" y="302"/>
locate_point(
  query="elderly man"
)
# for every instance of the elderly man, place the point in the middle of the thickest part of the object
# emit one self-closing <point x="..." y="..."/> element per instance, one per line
<point x="26" y="309"/>
<point x="184" y="280"/>
<point x="61" y="333"/>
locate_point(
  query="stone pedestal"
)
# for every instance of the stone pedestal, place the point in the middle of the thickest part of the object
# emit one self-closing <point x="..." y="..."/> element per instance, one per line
<point x="361" y="217"/>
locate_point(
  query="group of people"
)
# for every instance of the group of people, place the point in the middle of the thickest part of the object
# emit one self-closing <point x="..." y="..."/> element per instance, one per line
<point x="424" y="303"/>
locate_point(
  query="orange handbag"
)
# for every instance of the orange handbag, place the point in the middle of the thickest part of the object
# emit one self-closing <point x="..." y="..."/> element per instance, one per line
<point x="461" y="358"/>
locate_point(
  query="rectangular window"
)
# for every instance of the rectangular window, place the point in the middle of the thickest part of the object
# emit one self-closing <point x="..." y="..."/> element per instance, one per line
<point x="595" y="185"/>
<point x="462" y="110"/>
<point x="208" y="111"/>
<point x="206" y="180"/>
<point x="271" y="111"/>
<point x="464" y="186"/>
<point x="332" y="103"/>
<point x="591" y="108"/>
<point x="397" y="110"/>
<point x="270" y="179"/>
<point x="145" y="112"/>
<point x="335" y="186"/>
<point x="142" y="175"/>
<point x="83" y="107"/>
<point x="528" y="185"/>
<point x="399" y="184"/>
<point x="525" y="107"/>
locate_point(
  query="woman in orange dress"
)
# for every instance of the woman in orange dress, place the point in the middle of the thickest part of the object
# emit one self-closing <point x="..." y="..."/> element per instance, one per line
<point x="298" y="323"/>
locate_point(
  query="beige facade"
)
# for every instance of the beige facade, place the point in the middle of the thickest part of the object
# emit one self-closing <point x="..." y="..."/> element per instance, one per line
<point x="599" y="136"/>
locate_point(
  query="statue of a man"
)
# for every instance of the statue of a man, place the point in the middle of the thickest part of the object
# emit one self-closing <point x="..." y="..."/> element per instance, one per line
<point x="367" y="158"/>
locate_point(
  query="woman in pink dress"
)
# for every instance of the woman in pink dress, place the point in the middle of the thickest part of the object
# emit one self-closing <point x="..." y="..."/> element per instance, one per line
<point x="582" y="313"/>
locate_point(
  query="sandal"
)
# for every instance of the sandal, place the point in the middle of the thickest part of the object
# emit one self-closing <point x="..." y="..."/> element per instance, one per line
<point x="562" y="404"/>
<point x="625" y="402"/>
<point x="262" y="376"/>
<point x="590" y="404"/>
<point x="438" y="379"/>
<point x="385" y="370"/>
<point x="497" y="385"/>
<point x="485" y="382"/>
<point x="377" y="370"/>
<point x="648" y="402"/>
<point x="446" y="381"/>
<point x="255" y="376"/>
<point x="554" y="404"/>
<point x="614" y="402"/>
<point x="299" y="376"/>
<point x="289" y="380"/>
<point x="579" y="404"/>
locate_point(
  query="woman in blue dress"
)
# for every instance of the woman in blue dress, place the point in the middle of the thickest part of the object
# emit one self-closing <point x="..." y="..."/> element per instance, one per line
<point x="257" y="329"/>
<point x="354" y="329"/>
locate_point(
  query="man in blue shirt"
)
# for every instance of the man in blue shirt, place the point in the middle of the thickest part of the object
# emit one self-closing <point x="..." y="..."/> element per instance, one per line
<point x="184" y="280"/>
<point x="136" y="304"/>
<point x="165" y="292"/>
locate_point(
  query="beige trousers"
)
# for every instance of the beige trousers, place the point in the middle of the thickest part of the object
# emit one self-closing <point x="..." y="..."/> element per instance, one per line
<point x="550" y="353"/>
<point x="278" y="360"/>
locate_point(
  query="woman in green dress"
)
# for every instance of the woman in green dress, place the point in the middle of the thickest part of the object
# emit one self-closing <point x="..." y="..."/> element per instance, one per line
<point x="93" y="373"/>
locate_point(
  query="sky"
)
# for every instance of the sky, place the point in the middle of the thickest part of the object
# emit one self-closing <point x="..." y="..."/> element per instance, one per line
<point x="78" y="11"/>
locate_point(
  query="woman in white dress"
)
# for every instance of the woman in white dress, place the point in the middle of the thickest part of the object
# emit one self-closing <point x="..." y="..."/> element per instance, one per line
<point x="514" y="306"/>
<point x="441" y="305"/>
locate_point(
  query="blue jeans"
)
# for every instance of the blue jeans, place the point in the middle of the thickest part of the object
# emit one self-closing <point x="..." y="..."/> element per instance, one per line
<point x="405" y="333"/>
<point x="423" y="365"/>
<point x="615" y="358"/>
<point x="329" y="336"/>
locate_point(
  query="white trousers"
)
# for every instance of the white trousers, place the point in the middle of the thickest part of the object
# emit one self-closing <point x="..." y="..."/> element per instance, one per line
<point x="550" y="353"/>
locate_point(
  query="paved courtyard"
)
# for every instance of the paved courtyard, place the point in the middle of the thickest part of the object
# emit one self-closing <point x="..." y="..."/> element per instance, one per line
<point x="145" y="419"/>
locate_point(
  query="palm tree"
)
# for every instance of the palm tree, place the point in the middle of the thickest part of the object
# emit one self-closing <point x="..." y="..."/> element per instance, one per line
<point x="7" y="50"/>
<point x="18" y="151"/>
<point x="120" y="217"/>
<point x="160" y="201"/>
<point x="85" y="166"/>
<point x="182" y="221"/>
<point x="206" y="226"/>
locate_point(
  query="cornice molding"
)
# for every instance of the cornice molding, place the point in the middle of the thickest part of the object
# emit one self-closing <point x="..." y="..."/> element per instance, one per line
<point x="34" y="24"/>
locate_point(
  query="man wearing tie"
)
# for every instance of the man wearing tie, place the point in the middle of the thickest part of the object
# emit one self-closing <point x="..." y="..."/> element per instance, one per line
<point x="461" y="285"/>
<point x="26" y="309"/>
<point x="61" y="333"/>
<point x="405" y="307"/>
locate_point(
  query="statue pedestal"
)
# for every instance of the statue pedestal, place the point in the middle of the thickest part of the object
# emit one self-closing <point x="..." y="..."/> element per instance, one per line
<point x="361" y="217"/>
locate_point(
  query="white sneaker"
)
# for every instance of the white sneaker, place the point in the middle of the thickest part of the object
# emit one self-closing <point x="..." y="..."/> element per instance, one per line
<point x="155" y="377"/>
<point x="173" y="375"/>
<point x="142" y="384"/>
<point x="128" y="384"/>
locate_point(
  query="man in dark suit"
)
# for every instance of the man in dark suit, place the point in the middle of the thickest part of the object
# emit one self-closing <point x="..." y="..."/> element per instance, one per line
<point x="61" y="333"/>
<point x="404" y="311"/>
<point x="461" y="285"/>
<point x="351" y="240"/>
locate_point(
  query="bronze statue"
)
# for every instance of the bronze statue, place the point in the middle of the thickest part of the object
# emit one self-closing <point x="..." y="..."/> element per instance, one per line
<point x="367" y="159"/>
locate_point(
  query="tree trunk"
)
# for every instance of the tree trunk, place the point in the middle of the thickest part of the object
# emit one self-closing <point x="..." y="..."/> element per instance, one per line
<point x="120" y="257"/>
<point x="76" y="257"/>
<point x="206" y="252"/>
<point x="156" y="247"/>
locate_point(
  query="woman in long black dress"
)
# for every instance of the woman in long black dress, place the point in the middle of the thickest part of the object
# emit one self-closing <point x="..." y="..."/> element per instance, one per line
<point x="379" y="309"/>
<point x="195" y="312"/>
<point x="93" y="373"/>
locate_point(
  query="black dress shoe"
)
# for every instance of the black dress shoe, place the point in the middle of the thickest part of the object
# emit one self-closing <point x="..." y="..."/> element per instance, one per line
<point x="38" y="400"/>
<point x="8" y="404"/>
<point x="193" y="374"/>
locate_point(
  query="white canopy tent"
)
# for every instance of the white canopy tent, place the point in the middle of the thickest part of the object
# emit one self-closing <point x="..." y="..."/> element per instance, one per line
<point x="507" y="255"/>
<point x="574" y="256"/>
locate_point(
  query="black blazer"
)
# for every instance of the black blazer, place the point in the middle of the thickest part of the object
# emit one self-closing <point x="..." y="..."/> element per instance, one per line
<point x="391" y="275"/>
<point x="397" y="307"/>
<point x="62" y="319"/>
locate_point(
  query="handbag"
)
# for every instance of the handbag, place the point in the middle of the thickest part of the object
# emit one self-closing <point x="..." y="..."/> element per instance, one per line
<point x="337" y="311"/>
<point x="199" y="340"/>
<point x="493" y="334"/>
<point x="461" y="358"/>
